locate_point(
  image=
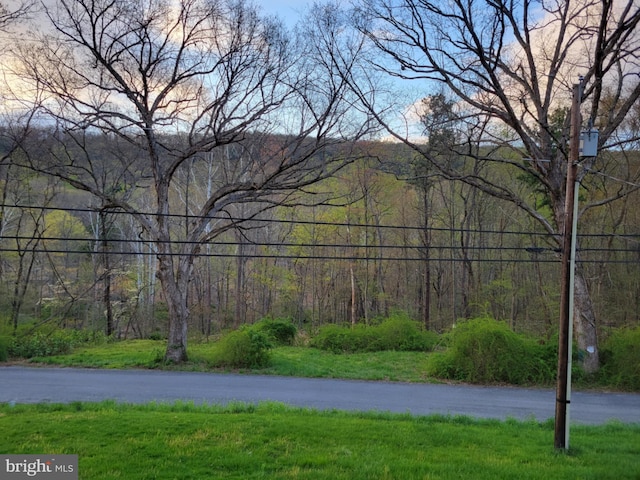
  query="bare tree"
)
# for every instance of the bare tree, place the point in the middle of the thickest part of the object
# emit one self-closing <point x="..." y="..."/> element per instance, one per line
<point x="513" y="63"/>
<point x="18" y="12"/>
<point x="21" y="230"/>
<point x="180" y="82"/>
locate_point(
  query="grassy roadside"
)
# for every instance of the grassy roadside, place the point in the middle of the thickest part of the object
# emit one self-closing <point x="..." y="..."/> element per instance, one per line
<point x="286" y="361"/>
<point x="184" y="441"/>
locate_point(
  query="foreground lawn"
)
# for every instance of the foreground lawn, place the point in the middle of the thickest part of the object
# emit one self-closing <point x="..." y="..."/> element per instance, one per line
<point x="287" y="361"/>
<point x="183" y="441"/>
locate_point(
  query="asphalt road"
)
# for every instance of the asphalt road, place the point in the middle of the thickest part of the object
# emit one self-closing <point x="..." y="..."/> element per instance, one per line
<point x="32" y="385"/>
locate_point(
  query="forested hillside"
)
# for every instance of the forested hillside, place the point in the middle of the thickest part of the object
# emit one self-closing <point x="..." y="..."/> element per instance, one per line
<point x="365" y="252"/>
<point x="173" y="169"/>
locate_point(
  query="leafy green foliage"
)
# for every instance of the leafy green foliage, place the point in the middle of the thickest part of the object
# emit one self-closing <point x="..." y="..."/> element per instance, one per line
<point x="399" y="332"/>
<point x="621" y="359"/>
<point x="279" y="331"/>
<point x="484" y="350"/>
<point x="55" y="342"/>
<point x="4" y="348"/>
<point x="394" y="333"/>
<point x="341" y="339"/>
<point x="539" y="360"/>
<point x="244" y="348"/>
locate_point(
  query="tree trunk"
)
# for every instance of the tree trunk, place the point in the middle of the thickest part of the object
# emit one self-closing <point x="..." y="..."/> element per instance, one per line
<point x="353" y="294"/>
<point x="241" y="302"/>
<point x="106" y="293"/>
<point x="174" y="288"/>
<point x="20" y="286"/>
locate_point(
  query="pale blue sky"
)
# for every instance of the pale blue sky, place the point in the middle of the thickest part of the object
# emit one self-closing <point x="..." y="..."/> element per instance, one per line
<point x="288" y="10"/>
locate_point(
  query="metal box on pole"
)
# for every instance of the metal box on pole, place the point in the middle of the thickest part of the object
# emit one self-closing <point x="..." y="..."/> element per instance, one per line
<point x="589" y="143"/>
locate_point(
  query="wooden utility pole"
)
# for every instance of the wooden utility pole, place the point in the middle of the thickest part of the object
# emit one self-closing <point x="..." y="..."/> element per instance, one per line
<point x="563" y="389"/>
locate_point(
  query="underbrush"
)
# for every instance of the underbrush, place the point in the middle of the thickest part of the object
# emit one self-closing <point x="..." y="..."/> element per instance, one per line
<point x="397" y="332"/>
<point x="249" y="346"/>
<point x="279" y="331"/>
<point x="47" y="342"/>
<point x="243" y="348"/>
<point x="620" y="357"/>
<point x="484" y="350"/>
<point x="481" y="350"/>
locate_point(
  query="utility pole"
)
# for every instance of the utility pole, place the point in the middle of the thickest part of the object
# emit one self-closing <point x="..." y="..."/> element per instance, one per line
<point x="563" y="389"/>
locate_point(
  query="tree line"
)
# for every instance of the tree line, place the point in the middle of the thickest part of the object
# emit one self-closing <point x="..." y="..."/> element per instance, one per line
<point x="201" y="119"/>
<point x="348" y="262"/>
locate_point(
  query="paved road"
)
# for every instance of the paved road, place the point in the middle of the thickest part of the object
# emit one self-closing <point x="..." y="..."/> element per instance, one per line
<point x="31" y="385"/>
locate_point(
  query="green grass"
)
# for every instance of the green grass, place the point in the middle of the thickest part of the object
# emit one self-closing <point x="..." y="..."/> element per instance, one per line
<point x="184" y="441"/>
<point x="124" y="354"/>
<point x="311" y="362"/>
<point x="287" y="361"/>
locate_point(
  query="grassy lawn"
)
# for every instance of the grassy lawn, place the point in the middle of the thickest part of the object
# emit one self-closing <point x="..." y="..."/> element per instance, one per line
<point x="186" y="441"/>
<point x="183" y="441"/>
<point x="125" y="354"/>
<point x="311" y="362"/>
<point x="287" y="361"/>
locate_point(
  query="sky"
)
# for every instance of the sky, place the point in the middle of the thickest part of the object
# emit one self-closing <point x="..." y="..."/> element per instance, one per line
<point x="288" y="10"/>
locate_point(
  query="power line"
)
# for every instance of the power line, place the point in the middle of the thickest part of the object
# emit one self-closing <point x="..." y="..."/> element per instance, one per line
<point x="534" y="258"/>
<point x="239" y="220"/>
<point x="611" y="177"/>
<point x="528" y="249"/>
<point x="290" y="256"/>
<point x="268" y="244"/>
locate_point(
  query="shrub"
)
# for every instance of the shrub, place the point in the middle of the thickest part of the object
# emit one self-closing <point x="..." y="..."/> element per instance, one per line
<point x="401" y="333"/>
<point x="4" y="348"/>
<point x="156" y="335"/>
<point x="621" y="359"/>
<point x="487" y="351"/>
<point x="54" y="342"/>
<point x="279" y="331"/>
<point x="334" y="338"/>
<point x="394" y="333"/>
<point x="244" y="348"/>
<point x="343" y="339"/>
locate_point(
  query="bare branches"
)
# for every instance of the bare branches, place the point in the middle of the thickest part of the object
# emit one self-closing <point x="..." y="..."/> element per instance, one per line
<point x="11" y="16"/>
<point x="514" y="62"/>
<point x="182" y="87"/>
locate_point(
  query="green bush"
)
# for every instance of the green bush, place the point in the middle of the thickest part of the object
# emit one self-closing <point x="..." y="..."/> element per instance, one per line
<point x="344" y="339"/>
<point x="4" y="348"/>
<point x="244" y="348"/>
<point x="401" y="333"/>
<point x="334" y="338"/>
<point x="484" y="350"/>
<point x="279" y="331"/>
<point x="394" y="333"/>
<point x="53" y="342"/>
<point x="156" y="335"/>
<point x="621" y="359"/>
